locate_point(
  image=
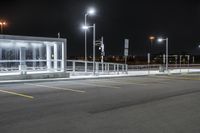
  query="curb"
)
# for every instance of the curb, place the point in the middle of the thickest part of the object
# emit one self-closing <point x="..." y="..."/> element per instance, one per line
<point x="88" y="78"/>
<point x="65" y="79"/>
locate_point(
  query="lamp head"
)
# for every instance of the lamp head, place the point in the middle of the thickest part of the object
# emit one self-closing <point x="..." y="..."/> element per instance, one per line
<point x="85" y="27"/>
<point x="160" y="39"/>
<point x="91" y="11"/>
<point x="151" y="37"/>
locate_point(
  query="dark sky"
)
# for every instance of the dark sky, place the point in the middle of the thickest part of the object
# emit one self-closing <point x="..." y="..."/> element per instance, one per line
<point x="115" y="19"/>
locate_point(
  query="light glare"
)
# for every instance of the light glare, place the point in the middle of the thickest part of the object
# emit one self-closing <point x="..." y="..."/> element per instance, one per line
<point x="91" y="11"/>
<point x="160" y="39"/>
<point x="151" y="37"/>
<point x="85" y="27"/>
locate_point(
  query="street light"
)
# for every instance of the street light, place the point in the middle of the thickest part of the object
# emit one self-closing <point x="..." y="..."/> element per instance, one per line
<point x="91" y="11"/>
<point x="94" y="43"/>
<point x="167" y="43"/>
<point x="2" y="24"/>
<point x="151" y="38"/>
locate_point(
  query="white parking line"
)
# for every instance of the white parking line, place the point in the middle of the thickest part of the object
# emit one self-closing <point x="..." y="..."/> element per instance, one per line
<point x="122" y="82"/>
<point x="95" y="85"/>
<point x="57" y="88"/>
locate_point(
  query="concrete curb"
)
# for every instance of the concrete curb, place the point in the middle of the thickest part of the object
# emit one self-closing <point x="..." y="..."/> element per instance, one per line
<point x="88" y="78"/>
<point x="65" y="79"/>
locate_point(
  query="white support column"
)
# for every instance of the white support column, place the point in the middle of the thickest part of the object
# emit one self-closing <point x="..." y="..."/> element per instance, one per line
<point x="114" y="68"/>
<point x="48" y="52"/>
<point x="55" y="57"/>
<point x="34" y="57"/>
<point x="22" y="66"/>
<point x="64" y="54"/>
<point x="40" y="56"/>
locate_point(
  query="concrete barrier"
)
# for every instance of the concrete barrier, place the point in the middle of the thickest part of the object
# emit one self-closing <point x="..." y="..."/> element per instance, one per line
<point x="35" y="76"/>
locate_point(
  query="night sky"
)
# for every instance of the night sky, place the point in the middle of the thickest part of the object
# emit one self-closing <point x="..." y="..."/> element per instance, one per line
<point x="115" y="20"/>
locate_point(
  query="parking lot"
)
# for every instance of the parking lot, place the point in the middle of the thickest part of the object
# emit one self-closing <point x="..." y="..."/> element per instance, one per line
<point x="148" y="104"/>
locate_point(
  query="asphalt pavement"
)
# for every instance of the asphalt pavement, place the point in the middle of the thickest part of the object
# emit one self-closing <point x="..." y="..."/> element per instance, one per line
<point x="147" y="104"/>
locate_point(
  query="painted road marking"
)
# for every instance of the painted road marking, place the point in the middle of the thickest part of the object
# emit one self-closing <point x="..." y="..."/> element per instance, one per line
<point x="104" y="86"/>
<point x="57" y="88"/>
<point x="17" y="94"/>
<point x="180" y="78"/>
<point x="122" y="82"/>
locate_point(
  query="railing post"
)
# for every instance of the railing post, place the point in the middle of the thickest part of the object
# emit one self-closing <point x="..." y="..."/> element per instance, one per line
<point x="97" y="67"/>
<point x="105" y="67"/>
<point x="102" y="67"/>
<point x="108" y="68"/>
<point x="122" y="68"/>
<point x="114" y="68"/>
<point x="73" y="67"/>
<point x="118" y="69"/>
<point x="126" y="69"/>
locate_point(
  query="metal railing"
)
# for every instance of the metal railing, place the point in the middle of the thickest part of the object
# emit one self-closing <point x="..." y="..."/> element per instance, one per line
<point x="78" y="66"/>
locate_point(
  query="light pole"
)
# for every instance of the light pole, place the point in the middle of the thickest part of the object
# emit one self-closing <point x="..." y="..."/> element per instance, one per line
<point x="167" y="43"/>
<point x="151" y="38"/>
<point x="94" y="43"/>
<point x="2" y="24"/>
<point x="91" y="11"/>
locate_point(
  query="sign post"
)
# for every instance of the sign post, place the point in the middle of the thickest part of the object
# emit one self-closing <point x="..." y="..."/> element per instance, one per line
<point x="126" y="47"/>
<point x="102" y="53"/>
<point x="149" y="61"/>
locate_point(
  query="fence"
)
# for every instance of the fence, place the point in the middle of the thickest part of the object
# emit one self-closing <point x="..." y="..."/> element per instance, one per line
<point x="78" y="67"/>
<point x="158" y="66"/>
<point x="72" y="66"/>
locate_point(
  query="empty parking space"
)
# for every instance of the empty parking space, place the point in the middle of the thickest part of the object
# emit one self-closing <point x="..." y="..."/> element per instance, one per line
<point x="86" y="105"/>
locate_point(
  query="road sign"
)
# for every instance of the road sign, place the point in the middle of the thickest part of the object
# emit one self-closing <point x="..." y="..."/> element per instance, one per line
<point x="125" y="52"/>
<point x="126" y="46"/>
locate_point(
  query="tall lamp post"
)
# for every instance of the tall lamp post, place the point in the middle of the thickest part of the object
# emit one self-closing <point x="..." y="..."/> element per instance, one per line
<point x="2" y="24"/>
<point x="167" y="43"/>
<point x="151" y="38"/>
<point x="94" y="43"/>
<point x="91" y="11"/>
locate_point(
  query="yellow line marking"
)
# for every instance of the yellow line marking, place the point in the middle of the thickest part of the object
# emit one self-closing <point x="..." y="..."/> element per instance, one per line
<point x="17" y="94"/>
<point x="104" y="86"/>
<point x="57" y="88"/>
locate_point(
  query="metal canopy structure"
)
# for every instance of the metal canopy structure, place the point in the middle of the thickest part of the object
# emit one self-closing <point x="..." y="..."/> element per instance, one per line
<point x="25" y="53"/>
